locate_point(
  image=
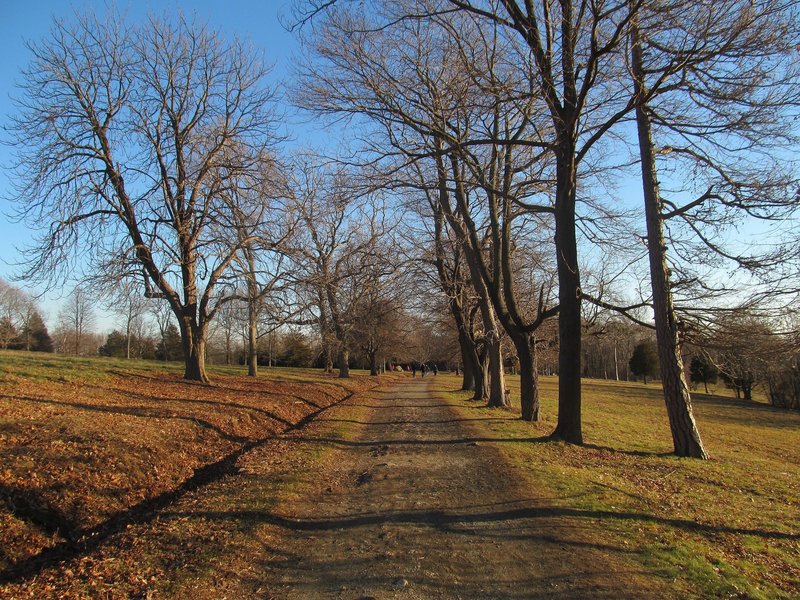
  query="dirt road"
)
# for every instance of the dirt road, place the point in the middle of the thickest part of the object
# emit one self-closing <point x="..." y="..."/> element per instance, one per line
<point x="415" y="507"/>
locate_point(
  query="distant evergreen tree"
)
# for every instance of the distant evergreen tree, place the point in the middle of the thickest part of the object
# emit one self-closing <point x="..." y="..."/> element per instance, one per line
<point x="702" y="370"/>
<point x="115" y="346"/>
<point x="34" y="336"/>
<point x="298" y="350"/>
<point x="169" y="348"/>
<point x="644" y="361"/>
<point x="144" y="347"/>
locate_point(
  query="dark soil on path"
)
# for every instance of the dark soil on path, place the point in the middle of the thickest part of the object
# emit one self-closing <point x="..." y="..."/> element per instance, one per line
<point x="388" y="495"/>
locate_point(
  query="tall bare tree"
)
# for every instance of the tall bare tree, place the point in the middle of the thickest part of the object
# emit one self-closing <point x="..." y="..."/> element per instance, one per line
<point x="126" y="300"/>
<point x="260" y="222"/>
<point x="428" y="94"/>
<point x="338" y="249"/>
<point x="77" y="318"/>
<point x="122" y="137"/>
<point x="710" y="82"/>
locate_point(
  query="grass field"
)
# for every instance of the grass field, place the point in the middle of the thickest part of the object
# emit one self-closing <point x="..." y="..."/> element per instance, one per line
<point x="85" y="443"/>
<point x="728" y="527"/>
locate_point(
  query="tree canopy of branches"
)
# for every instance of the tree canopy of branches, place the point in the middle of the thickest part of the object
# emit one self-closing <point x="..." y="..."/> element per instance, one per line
<point x="340" y="252"/>
<point x="493" y="93"/>
<point x="125" y="137"/>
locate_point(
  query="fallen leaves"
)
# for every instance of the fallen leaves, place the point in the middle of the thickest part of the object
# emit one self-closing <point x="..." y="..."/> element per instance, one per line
<point x="80" y="451"/>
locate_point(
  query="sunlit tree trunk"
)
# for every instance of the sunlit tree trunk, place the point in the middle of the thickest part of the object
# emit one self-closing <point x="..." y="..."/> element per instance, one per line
<point x="685" y="436"/>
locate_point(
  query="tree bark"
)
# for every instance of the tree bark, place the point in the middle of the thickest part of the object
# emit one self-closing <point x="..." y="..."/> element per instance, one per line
<point x="373" y="363"/>
<point x="194" y="350"/>
<point x="344" y="363"/>
<point x="252" y="339"/>
<point x="482" y="377"/>
<point x="469" y="360"/>
<point x="128" y="338"/>
<point x="569" y="297"/>
<point x="528" y="378"/>
<point x="497" y="379"/>
<point x="685" y="436"/>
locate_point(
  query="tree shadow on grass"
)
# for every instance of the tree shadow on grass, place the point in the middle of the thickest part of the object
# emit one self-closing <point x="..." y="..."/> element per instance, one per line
<point x="470" y="440"/>
<point x="398" y="406"/>
<point x="28" y="506"/>
<point x="454" y="520"/>
<point x="420" y="422"/>
<point x="756" y="413"/>
<point x="145" y="412"/>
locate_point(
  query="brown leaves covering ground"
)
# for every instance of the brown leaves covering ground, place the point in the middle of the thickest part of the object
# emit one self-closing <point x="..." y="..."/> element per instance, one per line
<point x="80" y="446"/>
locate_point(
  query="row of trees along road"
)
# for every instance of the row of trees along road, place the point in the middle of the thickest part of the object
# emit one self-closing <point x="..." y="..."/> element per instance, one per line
<point x="150" y="154"/>
<point x="502" y="112"/>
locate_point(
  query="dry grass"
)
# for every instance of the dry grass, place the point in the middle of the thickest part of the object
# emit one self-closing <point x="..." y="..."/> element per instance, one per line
<point x="88" y="443"/>
<point x="85" y="443"/>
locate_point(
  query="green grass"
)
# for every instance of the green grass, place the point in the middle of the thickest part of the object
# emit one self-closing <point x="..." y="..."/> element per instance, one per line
<point x="42" y="367"/>
<point x="728" y="527"/>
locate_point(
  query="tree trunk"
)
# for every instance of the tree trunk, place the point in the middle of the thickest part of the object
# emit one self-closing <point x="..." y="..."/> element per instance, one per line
<point x="252" y="339"/>
<point x="194" y="351"/>
<point x="128" y="339"/>
<point x="469" y="355"/>
<point x="344" y="360"/>
<point x="569" y="297"/>
<point x="373" y="363"/>
<point x="528" y="377"/>
<point x="685" y="436"/>
<point x="482" y="378"/>
<point x="497" y="379"/>
<point x="469" y="359"/>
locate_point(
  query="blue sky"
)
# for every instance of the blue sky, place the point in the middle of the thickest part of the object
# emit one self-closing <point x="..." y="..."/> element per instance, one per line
<point x="258" y="22"/>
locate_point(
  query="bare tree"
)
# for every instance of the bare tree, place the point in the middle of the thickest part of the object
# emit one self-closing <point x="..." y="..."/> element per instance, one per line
<point x="230" y="322"/>
<point x="337" y="250"/>
<point x="462" y="302"/>
<point x="162" y="315"/>
<point x="77" y="318"/>
<point x="429" y="100"/>
<point x="709" y="82"/>
<point x="262" y="222"/>
<point x="122" y="137"/>
<point x="126" y="300"/>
